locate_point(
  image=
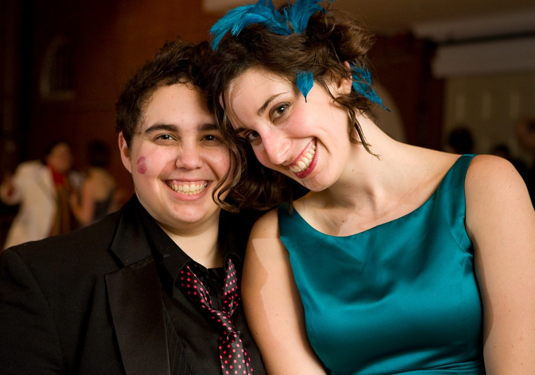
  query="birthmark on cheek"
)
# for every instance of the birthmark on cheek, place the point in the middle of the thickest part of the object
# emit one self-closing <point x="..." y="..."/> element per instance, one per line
<point x="141" y="166"/>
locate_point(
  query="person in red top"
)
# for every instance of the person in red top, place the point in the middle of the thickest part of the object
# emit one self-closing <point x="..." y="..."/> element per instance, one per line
<point x="42" y="189"/>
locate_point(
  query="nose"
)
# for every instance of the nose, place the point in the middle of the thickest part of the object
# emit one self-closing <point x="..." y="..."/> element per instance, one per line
<point x="189" y="157"/>
<point x="277" y="147"/>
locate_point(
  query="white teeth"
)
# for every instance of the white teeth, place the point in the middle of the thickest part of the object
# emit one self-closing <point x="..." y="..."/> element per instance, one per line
<point x="305" y="161"/>
<point x="188" y="189"/>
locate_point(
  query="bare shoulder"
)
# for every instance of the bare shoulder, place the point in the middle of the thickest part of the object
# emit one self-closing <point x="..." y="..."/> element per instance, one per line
<point x="500" y="221"/>
<point x="265" y="245"/>
<point x="267" y="226"/>
<point x="494" y="176"/>
<point x="495" y="191"/>
<point x="490" y="163"/>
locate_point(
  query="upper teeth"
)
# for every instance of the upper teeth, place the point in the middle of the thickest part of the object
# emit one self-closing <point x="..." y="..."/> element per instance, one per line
<point x="304" y="161"/>
<point x="189" y="189"/>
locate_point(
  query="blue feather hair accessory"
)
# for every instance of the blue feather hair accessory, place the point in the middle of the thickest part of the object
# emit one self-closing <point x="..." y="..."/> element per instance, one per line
<point x="362" y="84"/>
<point x="285" y="23"/>
<point x="279" y="22"/>
<point x="304" y="82"/>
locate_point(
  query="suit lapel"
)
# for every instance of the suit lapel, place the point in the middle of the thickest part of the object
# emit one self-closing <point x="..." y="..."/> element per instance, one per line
<point x="135" y="299"/>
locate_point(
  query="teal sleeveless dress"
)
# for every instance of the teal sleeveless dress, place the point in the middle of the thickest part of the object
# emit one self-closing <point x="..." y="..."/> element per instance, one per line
<point x="399" y="298"/>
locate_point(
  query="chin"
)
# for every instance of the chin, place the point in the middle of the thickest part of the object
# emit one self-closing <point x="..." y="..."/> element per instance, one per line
<point x="194" y="214"/>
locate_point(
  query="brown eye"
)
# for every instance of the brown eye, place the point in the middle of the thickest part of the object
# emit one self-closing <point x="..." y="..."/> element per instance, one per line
<point x="252" y="136"/>
<point x="164" y="137"/>
<point x="279" y="110"/>
<point x="210" y="138"/>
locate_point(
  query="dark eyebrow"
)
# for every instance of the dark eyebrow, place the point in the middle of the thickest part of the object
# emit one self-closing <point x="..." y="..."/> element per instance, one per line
<point x="262" y="109"/>
<point x="204" y="127"/>
<point x="208" y="127"/>
<point x="157" y="127"/>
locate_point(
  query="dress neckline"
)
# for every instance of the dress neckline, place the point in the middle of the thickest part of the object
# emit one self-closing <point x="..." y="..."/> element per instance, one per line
<point x="390" y="222"/>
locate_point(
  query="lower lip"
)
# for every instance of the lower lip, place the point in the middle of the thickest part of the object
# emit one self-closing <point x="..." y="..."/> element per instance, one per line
<point x="310" y="168"/>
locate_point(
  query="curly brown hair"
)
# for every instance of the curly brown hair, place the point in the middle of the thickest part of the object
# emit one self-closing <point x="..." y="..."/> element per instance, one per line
<point x="331" y="40"/>
<point x="177" y="61"/>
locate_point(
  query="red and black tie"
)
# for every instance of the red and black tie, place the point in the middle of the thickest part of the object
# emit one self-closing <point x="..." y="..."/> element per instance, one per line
<point x="232" y="354"/>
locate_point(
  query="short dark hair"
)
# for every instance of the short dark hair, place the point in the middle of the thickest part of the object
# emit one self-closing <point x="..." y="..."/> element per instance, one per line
<point x="177" y="61"/>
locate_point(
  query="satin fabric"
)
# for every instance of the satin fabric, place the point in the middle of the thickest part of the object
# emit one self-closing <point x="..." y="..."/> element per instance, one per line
<point x="399" y="298"/>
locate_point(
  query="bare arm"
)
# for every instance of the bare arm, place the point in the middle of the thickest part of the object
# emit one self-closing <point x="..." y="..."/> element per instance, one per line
<point x="272" y="303"/>
<point x="501" y="222"/>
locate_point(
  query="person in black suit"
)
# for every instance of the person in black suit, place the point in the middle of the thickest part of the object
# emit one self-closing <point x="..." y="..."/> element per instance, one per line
<point x="108" y="298"/>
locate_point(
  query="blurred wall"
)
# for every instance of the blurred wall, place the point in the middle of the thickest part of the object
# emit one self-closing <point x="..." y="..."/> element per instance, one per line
<point x="96" y="45"/>
<point x="402" y="65"/>
<point x="69" y="59"/>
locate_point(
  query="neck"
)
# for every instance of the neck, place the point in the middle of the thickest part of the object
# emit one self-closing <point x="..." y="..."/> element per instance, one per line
<point x="370" y="181"/>
<point x="365" y="175"/>
<point x="201" y="245"/>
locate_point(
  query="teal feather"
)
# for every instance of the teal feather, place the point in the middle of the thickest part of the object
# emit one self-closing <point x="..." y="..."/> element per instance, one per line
<point x="267" y="16"/>
<point x="286" y="23"/>
<point x="362" y="84"/>
<point x="264" y="12"/>
<point x="304" y="82"/>
<point x="301" y="12"/>
<point x="226" y="23"/>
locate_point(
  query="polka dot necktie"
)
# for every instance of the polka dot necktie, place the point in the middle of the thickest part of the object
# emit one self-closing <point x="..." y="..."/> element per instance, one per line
<point x="232" y="354"/>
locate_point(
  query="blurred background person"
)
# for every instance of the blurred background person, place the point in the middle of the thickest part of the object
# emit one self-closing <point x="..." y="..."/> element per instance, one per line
<point x="525" y="133"/>
<point x="502" y="150"/>
<point x="460" y="141"/>
<point x="42" y="189"/>
<point x="96" y="197"/>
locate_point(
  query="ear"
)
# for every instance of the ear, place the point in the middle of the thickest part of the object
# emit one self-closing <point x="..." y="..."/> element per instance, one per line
<point x="346" y="83"/>
<point x="125" y="152"/>
<point x="342" y="85"/>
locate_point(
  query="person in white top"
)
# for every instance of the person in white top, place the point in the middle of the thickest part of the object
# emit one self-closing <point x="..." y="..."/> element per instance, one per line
<point x="37" y="187"/>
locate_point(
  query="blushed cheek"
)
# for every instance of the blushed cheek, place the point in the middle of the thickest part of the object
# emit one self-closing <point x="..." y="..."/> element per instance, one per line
<point x="141" y="166"/>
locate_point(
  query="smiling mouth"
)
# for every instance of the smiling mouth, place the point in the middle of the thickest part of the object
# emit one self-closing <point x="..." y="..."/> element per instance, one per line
<point x="187" y="188"/>
<point x="304" y="160"/>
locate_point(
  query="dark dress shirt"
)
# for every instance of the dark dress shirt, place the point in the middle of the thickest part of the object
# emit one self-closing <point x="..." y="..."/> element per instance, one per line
<point x="194" y="334"/>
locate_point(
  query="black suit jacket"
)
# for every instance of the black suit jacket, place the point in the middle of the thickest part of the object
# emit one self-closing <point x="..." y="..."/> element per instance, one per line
<point x="88" y="302"/>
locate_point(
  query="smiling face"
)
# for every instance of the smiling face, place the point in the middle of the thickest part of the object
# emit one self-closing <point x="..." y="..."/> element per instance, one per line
<point x="307" y="141"/>
<point x="176" y="159"/>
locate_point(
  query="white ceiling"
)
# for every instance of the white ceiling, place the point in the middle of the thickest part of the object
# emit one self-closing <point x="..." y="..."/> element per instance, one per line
<point x="429" y="17"/>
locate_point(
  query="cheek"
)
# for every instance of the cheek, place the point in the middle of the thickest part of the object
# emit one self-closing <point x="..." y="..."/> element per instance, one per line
<point x="220" y="161"/>
<point x="141" y="165"/>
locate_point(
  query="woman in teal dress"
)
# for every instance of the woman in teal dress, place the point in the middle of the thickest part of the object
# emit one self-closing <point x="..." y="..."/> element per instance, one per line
<point x="397" y="259"/>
